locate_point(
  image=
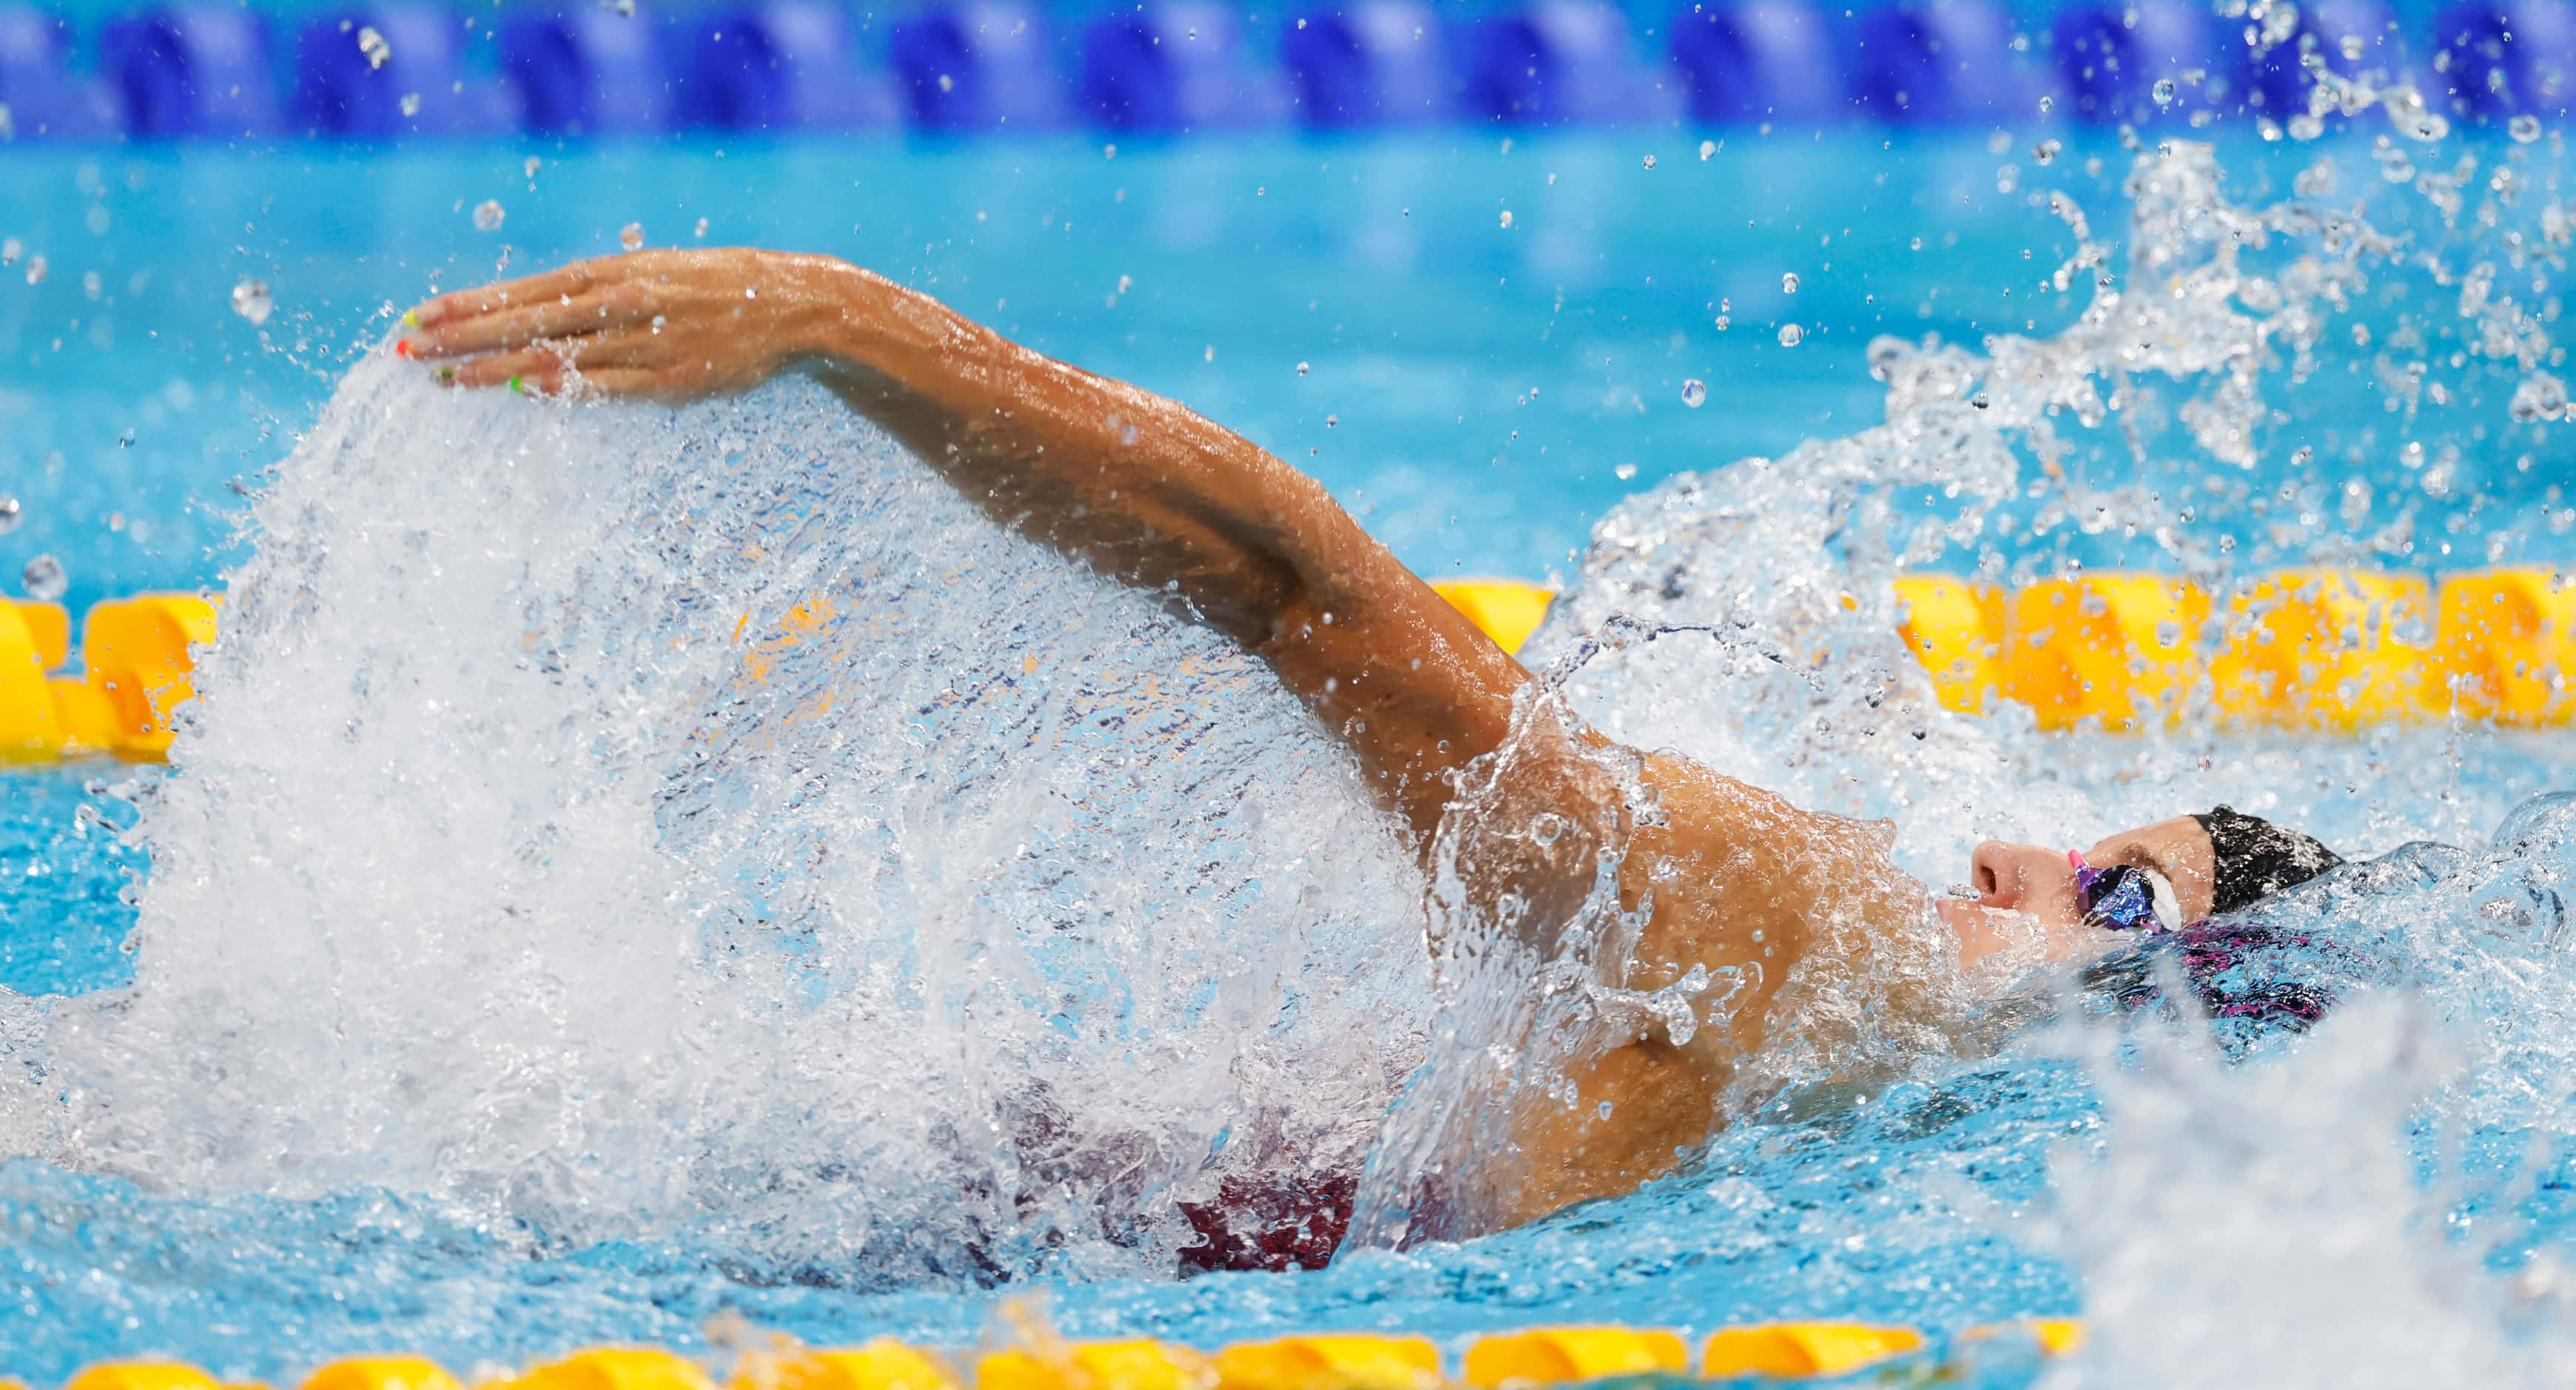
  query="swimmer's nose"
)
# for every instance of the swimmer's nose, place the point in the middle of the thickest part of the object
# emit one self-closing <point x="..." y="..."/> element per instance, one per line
<point x="2005" y="875"/>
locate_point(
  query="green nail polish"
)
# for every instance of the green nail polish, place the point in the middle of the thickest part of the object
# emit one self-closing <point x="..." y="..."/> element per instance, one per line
<point x="515" y="386"/>
<point x="411" y="318"/>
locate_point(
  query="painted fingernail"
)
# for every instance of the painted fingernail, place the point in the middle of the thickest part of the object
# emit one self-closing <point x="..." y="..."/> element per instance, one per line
<point x="402" y="347"/>
<point x="411" y="318"/>
<point x="515" y="386"/>
<point x="444" y="374"/>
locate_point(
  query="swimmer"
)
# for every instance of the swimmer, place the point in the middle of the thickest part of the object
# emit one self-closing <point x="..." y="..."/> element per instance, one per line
<point x="1143" y="491"/>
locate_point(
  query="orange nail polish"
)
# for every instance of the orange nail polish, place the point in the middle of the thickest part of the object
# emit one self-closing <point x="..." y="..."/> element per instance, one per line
<point x="402" y="347"/>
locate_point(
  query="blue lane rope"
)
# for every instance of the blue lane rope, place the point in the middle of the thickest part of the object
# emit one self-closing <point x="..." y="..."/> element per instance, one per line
<point x="207" y="70"/>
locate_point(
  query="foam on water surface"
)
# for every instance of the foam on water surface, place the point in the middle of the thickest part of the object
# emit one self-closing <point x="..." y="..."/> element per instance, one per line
<point x="696" y="852"/>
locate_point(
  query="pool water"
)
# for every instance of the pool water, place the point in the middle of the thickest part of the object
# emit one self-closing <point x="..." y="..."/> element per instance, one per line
<point x="432" y="929"/>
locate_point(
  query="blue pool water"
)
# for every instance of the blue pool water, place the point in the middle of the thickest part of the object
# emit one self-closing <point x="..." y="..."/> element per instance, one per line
<point x="1481" y="396"/>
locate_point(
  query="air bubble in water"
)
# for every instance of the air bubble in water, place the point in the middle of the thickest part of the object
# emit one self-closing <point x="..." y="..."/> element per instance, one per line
<point x="488" y="215"/>
<point x="35" y="270"/>
<point x="2540" y="396"/>
<point x="2164" y="91"/>
<point x="1791" y="335"/>
<point x="2045" y="152"/>
<point x="2305" y="126"/>
<point x="1624" y="472"/>
<point x="2350" y="46"/>
<point x="251" y="301"/>
<point x="1694" y="395"/>
<point x="1303" y="368"/>
<point x="43" y="578"/>
<point x="374" y="46"/>
<point x="631" y="236"/>
<point x="624" y="8"/>
<point x="532" y="166"/>
<point x="702" y="228"/>
<point x="10" y="250"/>
<point x="2524" y="128"/>
<point x="1650" y="161"/>
<point x="1707" y="149"/>
<point x="10" y="514"/>
<point x="411" y="104"/>
<point x="1507" y="219"/>
<point x="1789" y="283"/>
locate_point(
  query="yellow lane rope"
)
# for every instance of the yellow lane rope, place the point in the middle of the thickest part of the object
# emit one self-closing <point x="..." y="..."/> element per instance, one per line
<point x="2327" y="650"/>
<point x="1326" y="1361"/>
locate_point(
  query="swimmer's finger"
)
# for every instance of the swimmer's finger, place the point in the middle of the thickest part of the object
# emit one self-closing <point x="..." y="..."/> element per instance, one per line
<point x="512" y="369"/>
<point x="518" y="326"/>
<point x="573" y="280"/>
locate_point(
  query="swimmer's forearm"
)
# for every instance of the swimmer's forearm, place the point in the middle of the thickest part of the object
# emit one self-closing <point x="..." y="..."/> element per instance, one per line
<point x="1148" y="491"/>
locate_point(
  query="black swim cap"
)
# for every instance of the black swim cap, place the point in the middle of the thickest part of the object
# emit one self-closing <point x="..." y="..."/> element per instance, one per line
<point x="2257" y="858"/>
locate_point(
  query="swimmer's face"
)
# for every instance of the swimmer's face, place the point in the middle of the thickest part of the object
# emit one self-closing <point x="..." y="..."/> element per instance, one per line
<point x="2016" y="892"/>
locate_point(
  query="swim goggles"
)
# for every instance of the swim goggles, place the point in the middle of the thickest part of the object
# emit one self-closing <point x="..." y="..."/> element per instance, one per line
<point x="2124" y="897"/>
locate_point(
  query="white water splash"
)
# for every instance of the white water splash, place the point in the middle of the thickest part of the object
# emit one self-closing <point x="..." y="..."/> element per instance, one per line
<point x="704" y="823"/>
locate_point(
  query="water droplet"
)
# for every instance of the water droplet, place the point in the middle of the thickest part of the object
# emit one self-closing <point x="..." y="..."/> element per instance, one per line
<point x="658" y="322"/>
<point x="251" y="301"/>
<point x="1724" y="323"/>
<point x="1707" y="148"/>
<point x="35" y="270"/>
<point x="1979" y="400"/>
<point x="702" y="228"/>
<point x="2045" y="152"/>
<point x="1507" y="219"/>
<point x="411" y="104"/>
<point x="2523" y="128"/>
<point x="1625" y="471"/>
<point x="10" y="515"/>
<point x="2164" y="91"/>
<point x="1789" y="283"/>
<point x="488" y="215"/>
<point x="374" y="46"/>
<point x="1791" y="335"/>
<point x="631" y="236"/>
<point x="43" y="578"/>
<point x="1303" y="368"/>
<point x="1650" y="161"/>
<point x="1694" y="394"/>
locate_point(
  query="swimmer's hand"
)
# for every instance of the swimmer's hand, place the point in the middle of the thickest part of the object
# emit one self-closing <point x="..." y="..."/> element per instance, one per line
<point x="672" y="326"/>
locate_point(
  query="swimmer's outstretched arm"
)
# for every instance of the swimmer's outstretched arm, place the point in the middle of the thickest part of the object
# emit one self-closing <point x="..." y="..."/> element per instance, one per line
<point x="1138" y="487"/>
<point x="1144" y="490"/>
